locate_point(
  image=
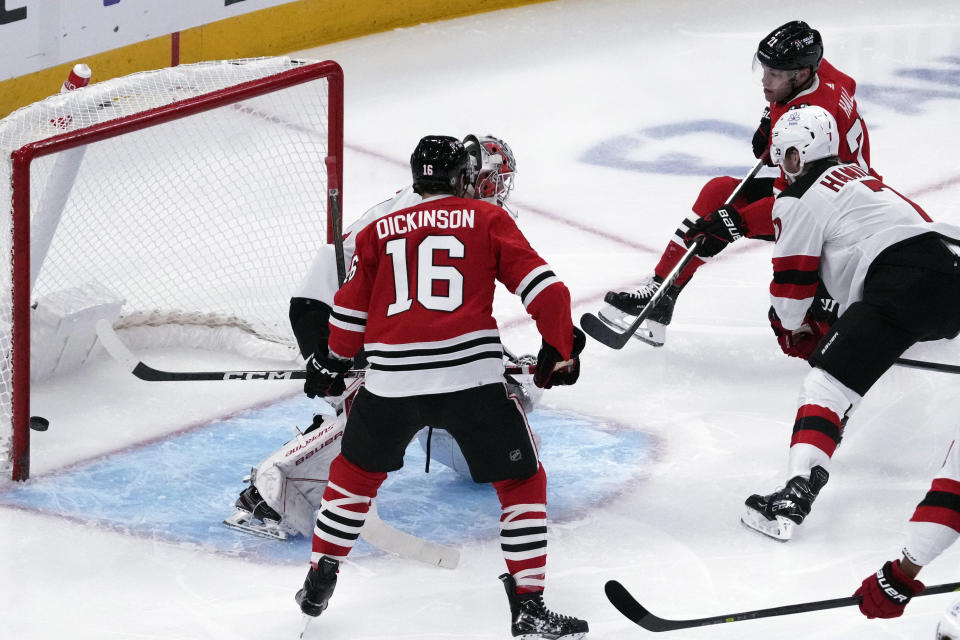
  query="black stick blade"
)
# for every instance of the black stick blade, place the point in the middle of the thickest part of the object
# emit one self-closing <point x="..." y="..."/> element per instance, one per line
<point x="602" y="333"/>
<point x="625" y="603"/>
<point x="637" y="613"/>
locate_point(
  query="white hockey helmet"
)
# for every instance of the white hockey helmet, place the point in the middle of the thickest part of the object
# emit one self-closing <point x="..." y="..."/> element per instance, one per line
<point x="811" y="130"/>
<point x="949" y="626"/>
<point x="496" y="167"/>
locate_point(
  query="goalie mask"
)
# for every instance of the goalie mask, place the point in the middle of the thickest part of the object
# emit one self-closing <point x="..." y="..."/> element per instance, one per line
<point x="496" y="167"/>
<point x="811" y="130"/>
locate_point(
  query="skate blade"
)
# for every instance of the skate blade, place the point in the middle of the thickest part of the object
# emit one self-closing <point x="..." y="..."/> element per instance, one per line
<point x="649" y="332"/>
<point x="541" y="636"/>
<point x="306" y="623"/>
<point x="245" y="522"/>
<point x="780" y="529"/>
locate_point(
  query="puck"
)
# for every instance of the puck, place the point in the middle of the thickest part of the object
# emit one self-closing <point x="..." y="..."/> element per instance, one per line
<point x="38" y="423"/>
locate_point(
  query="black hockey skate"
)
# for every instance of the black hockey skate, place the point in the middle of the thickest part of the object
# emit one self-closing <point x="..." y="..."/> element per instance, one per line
<point x="777" y="515"/>
<point x="531" y="620"/>
<point x="318" y="587"/>
<point x="623" y="307"/>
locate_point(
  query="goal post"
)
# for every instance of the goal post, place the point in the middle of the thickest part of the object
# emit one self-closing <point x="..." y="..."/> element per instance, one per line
<point x="204" y="192"/>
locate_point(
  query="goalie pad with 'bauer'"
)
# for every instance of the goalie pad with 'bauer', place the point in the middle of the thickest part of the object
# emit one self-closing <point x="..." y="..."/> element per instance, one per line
<point x="293" y="478"/>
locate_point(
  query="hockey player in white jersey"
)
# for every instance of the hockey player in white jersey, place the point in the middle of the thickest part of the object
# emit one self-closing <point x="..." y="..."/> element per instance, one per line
<point x="894" y="273"/>
<point x="285" y="488"/>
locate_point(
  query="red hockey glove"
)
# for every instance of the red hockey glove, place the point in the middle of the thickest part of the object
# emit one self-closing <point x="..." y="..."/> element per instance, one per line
<point x="801" y="342"/>
<point x="548" y="375"/>
<point x="887" y="592"/>
<point x="325" y="376"/>
<point x="718" y="228"/>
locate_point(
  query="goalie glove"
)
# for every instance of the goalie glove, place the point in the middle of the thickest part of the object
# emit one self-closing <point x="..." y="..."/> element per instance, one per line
<point x="718" y="229"/>
<point x="325" y="376"/>
<point x="548" y="374"/>
<point x="886" y="593"/>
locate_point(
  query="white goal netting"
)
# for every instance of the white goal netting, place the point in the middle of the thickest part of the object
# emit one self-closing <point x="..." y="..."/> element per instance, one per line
<point x="209" y="215"/>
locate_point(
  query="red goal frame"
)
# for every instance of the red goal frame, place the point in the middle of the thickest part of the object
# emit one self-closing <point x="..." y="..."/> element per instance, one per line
<point x="24" y="156"/>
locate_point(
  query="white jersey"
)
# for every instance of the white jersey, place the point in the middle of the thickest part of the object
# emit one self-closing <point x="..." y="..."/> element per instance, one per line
<point x="830" y="226"/>
<point x="320" y="282"/>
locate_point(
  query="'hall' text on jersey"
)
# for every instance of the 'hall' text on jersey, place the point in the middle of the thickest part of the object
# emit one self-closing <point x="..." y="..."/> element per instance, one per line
<point x="834" y="90"/>
<point x="419" y="296"/>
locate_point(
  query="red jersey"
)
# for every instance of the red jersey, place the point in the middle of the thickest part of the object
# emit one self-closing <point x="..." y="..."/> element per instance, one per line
<point x="419" y="296"/>
<point x="833" y="90"/>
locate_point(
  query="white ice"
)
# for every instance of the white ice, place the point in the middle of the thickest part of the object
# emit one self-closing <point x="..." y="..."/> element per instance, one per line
<point x="564" y="83"/>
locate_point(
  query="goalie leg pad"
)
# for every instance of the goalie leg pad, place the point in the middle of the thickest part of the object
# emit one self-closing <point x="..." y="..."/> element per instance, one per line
<point x="292" y="479"/>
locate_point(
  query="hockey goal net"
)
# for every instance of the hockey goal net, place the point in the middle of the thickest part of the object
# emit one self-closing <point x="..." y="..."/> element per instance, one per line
<point x="195" y="195"/>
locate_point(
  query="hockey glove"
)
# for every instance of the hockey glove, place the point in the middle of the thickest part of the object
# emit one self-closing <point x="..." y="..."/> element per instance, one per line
<point x="761" y="138"/>
<point x="548" y="374"/>
<point x="718" y="229"/>
<point x="801" y="342"/>
<point x="887" y="592"/>
<point x="325" y="376"/>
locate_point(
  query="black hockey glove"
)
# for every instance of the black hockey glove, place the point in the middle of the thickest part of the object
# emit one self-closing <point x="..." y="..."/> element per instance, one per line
<point x="325" y="376"/>
<point x="548" y="374"/>
<point x="761" y="138"/>
<point x="718" y="229"/>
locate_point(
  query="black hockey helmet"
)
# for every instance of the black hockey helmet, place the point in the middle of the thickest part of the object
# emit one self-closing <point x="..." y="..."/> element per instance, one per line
<point x="441" y="164"/>
<point x="791" y="46"/>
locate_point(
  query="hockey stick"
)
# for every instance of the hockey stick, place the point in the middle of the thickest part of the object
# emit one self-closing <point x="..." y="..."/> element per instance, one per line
<point x="386" y="538"/>
<point x="118" y="351"/>
<point x="602" y="332"/>
<point x="628" y="606"/>
<point x="927" y="366"/>
<point x="338" y="236"/>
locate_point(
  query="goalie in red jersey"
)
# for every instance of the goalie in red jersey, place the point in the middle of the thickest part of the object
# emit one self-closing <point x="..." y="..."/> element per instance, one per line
<point x="794" y="75"/>
<point x="418" y="299"/>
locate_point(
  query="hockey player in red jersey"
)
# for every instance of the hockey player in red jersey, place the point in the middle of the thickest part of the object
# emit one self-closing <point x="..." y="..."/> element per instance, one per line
<point x="794" y="74"/>
<point x="285" y="488"/>
<point x="894" y="274"/>
<point x="418" y="299"/>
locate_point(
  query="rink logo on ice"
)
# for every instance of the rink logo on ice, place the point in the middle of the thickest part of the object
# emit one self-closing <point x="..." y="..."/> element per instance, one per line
<point x="644" y="151"/>
<point x="180" y="489"/>
<point x="662" y="149"/>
